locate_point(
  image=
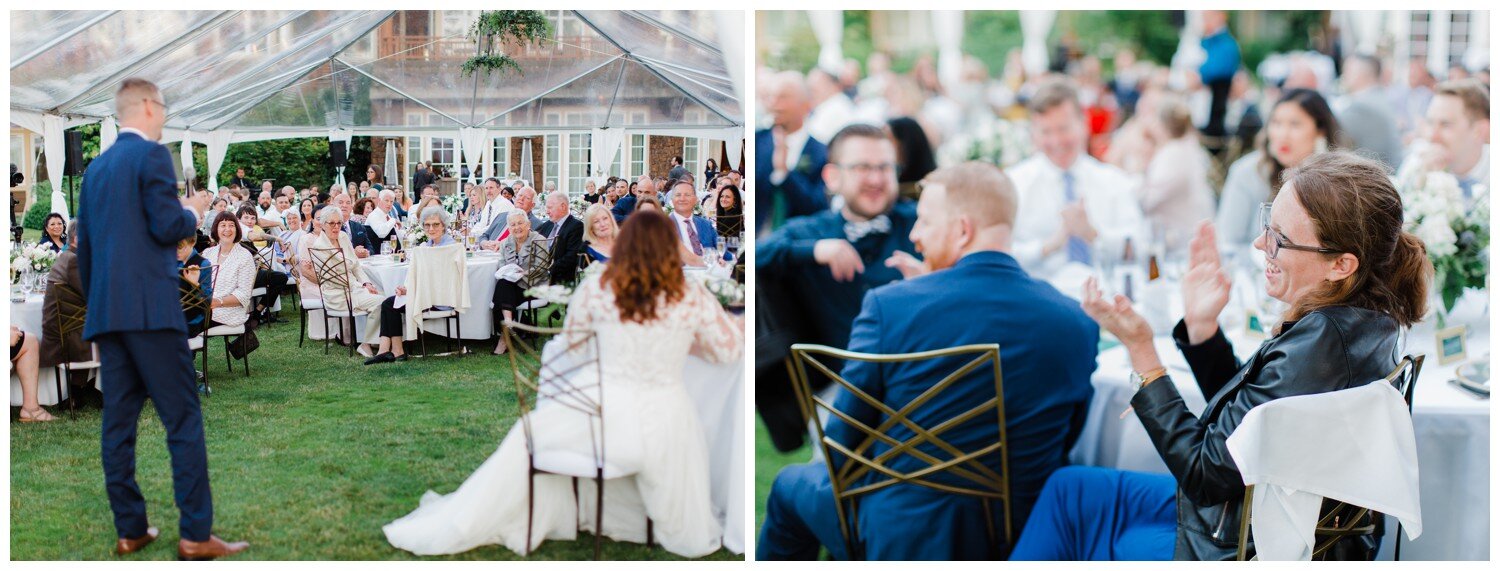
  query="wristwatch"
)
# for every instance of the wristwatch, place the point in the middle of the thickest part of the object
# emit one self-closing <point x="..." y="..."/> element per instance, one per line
<point x="1138" y="379"/>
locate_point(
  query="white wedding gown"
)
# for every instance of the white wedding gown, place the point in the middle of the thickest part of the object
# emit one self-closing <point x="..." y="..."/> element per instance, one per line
<point x="652" y="431"/>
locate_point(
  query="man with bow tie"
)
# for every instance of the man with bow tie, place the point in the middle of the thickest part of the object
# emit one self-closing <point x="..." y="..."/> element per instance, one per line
<point x="816" y="269"/>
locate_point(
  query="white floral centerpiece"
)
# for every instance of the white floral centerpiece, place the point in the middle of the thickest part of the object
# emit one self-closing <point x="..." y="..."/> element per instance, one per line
<point x="33" y="257"/>
<point x="579" y="206"/>
<point x="413" y="238"/>
<point x="996" y="141"/>
<point x="1457" y="235"/>
<point x="556" y="297"/>
<point x="730" y="293"/>
<point x="453" y="202"/>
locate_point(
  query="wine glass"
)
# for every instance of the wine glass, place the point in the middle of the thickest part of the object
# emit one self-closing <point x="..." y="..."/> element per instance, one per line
<point x="27" y="281"/>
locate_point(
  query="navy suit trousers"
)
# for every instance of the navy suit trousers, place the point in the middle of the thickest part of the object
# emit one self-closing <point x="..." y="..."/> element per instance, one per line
<point x="135" y="366"/>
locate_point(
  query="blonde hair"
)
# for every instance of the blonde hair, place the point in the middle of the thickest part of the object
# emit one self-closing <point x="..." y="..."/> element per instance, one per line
<point x="588" y="222"/>
<point x="977" y="190"/>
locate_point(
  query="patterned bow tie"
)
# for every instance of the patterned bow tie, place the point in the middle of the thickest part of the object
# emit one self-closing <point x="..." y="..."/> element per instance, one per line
<point x="854" y="231"/>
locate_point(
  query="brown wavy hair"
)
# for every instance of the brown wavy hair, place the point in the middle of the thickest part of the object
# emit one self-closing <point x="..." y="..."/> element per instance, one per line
<point x="645" y="271"/>
<point x="1355" y="209"/>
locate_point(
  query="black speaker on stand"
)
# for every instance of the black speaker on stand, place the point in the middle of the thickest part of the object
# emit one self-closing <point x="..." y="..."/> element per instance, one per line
<point x="73" y="166"/>
<point x="338" y="155"/>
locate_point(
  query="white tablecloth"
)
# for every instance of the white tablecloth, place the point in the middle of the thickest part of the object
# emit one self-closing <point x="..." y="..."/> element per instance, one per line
<point x="719" y="392"/>
<point x="27" y="316"/>
<point x="1453" y="440"/>
<point x="474" y="323"/>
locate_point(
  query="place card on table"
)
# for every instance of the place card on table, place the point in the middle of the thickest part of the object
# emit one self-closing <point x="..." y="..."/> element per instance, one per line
<point x="1450" y="344"/>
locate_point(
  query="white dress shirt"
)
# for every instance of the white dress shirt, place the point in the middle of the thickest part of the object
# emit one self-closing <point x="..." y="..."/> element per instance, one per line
<point x="381" y="222"/>
<point x="829" y="117"/>
<point x="497" y="207"/>
<point x="1108" y="199"/>
<point x="795" y="141"/>
<point x="1480" y="174"/>
<point x="682" y="229"/>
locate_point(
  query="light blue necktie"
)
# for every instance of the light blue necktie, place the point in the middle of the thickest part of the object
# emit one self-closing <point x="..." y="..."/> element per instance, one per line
<point x="1078" y="250"/>
<point x="1467" y="184"/>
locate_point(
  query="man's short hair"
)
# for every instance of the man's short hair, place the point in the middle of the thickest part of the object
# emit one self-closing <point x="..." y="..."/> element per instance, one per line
<point x="1372" y="61"/>
<point x="494" y="180"/>
<point x="1051" y="94"/>
<point x="1472" y="92"/>
<point x="246" y="209"/>
<point x="979" y="190"/>
<point x="677" y="160"/>
<point x="132" y="90"/>
<point x="435" y="187"/>
<point x="856" y="131"/>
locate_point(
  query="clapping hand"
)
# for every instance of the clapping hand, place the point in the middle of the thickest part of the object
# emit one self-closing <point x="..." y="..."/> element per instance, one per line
<point x="1076" y="221"/>
<point x="840" y="257"/>
<point x="361" y="252"/>
<point x="1115" y="316"/>
<point x="779" y="152"/>
<point x="1205" y="288"/>
<point x="908" y="265"/>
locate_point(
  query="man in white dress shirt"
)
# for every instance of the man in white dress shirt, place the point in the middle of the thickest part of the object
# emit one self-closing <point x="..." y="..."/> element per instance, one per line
<point x="832" y="109"/>
<point x="495" y="207"/>
<point x="1456" y="137"/>
<point x="1073" y="208"/>
<point x="382" y="221"/>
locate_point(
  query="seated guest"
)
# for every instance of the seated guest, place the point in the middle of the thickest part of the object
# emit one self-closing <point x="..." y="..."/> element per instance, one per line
<point x="233" y="274"/>
<point x="789" y="162"/>
<point x="490" y="222"/>
<point x="53" y="235"/>
<point x="816" y="269"/>
<point x="24" y="361"/>
<point x="591" y="192"/>
<point x="565" y="233"/>
<point x="696" y="231"/>
<point x="217" y="206"/>
<point x="305" y="211"/>
<point x="1074" y="204"/>
<point x="643" y="187"/>
<point x="284" y="205"/>
<point x="1048" y="347"/>
<point x="307" y="281"/>
<point x="1175" y="195"/>
<point x="1458" y="136"/>
<point x="687" y="255"/>
<point x="519" y="253"/>
<point x="525" y="201"/>
<point x="358" y="234"/>
<point x="599" y="231"/>
<point x="1351" y="278"/>
<point x="73" y="348"/>
<point x="362" y="294"/>
<point x="1365" y="113"/>
<point x="1301" y="126"/>
<point x="286" y="249"/>
<point x="383" y="219"/>
<point x="195" y="274"/>
<point x="392" y="337"/>
<point x="362" y="209"/>
<point x="268" y="277"/>
<point x="729" y="212"/>
<point x="509" y="193"/>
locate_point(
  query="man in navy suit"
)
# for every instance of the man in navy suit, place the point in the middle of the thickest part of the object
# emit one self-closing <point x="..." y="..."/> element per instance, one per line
<point x="359" y="234"/>
<point x="975" y="293"/>
<point x="696" y="231"/>
<point x="817" y="268"/>
<point x="788" y="161"/>
<point x="129" y="223"/>
<point x="644" y="186"/>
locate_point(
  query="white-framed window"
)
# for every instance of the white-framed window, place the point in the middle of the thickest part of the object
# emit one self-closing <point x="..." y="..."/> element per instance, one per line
<point x="690" y="155"/>
<point x="551" y="160"/>
<point x="580" y="152"/>
<point x="552" y="119"/>
<point x="443" y="155"/>
<point x="637" y="156"/>
<point x="414" y="155"/>
<point x="502" y="157"/>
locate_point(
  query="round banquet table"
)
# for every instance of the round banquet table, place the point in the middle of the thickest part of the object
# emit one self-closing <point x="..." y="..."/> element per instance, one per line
<point x="474" y="323"/>
<point x="1452" y="430"/>
<point x="27" y="316"/>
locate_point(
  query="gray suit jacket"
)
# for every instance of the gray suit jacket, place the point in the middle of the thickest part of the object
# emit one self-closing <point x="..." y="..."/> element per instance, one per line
<point x="497" y="227"/>
<point x="1371" y="127"/>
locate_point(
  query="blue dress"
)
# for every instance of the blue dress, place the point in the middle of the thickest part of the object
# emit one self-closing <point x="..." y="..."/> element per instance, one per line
<point x="595" y="255"/>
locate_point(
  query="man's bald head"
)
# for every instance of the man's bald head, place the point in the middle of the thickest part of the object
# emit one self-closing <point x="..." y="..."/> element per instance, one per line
<point x="139" y="105"/>
<point x="977" y="190"/>
<point x="790" y="100"/>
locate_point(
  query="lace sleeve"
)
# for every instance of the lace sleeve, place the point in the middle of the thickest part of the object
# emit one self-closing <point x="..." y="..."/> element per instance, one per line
<point x="717" y="338"/>
<point x="583" y="307"/>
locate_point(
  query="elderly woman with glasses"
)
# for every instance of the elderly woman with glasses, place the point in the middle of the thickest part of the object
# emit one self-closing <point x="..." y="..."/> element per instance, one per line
<point x="1350" y="277"/>
<point x="334" y="260"/>
<point x="435" y="225"/>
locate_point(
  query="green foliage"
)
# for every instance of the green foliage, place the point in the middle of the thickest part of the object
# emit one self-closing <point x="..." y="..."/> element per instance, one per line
<point x="295" y="162"/>
<point x="1103" y="32"/>
<point x="1284" y="31"/>
<point x="39" y="210"/>
<point x="495" y="28"/>
<point x="1467" y="268"/>
<point x="307" y="459"/>
<point x="858" y="40"/>
<point x="990" y="35"/>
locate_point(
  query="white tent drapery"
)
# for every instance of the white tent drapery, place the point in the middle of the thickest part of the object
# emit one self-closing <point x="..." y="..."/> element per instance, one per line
<point x="1035" y="25"/>
<point x="828" y="27"/>
<point x="948" y="27"/>
<point x="55" y="145"/>
<point x="218" y="146"/>
<point x="605" y="146"/>
<point x="108" y="132"/>
<point x="474" y="145"/>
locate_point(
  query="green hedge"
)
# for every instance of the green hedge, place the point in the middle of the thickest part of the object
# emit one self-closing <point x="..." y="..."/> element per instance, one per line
<point x="39" y="210"/>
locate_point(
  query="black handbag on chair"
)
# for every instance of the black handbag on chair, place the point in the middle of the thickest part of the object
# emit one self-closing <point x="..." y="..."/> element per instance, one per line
<point x="244" y="344"/>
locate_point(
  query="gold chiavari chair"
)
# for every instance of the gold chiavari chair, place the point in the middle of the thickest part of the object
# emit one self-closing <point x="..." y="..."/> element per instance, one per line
<point x="859" y="471"/>
<point x="1340" y="520"/>
<point x="72" y="311"/>
<point x="332" y="271"/>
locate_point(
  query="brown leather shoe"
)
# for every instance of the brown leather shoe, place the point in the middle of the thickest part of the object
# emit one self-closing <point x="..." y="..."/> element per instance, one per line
<point x="126" y="545"/>
<point x="214" y="548"/>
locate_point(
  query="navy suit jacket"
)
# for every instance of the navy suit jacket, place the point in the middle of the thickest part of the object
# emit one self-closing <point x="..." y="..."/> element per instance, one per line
<point x="623" y="207"/>
<point x="708" y="237"/>
<point x="1047" y="352"/>
<point x="803" y="188"/>
<point x="129" y="222"/>
<point x="829" y="306"/>
<point x="361" y="235"/>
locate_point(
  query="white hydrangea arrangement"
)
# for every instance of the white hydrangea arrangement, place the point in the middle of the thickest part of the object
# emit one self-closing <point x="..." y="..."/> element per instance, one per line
<point x="32" y="257"/>
<point x="1455" y="231"/>
<point x="996" y="141"/>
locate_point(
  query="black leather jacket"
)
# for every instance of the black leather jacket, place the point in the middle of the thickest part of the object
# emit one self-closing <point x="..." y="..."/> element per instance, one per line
<point x="1330" y="349"/>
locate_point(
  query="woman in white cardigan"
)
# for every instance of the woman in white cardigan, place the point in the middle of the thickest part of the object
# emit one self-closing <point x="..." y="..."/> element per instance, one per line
<point x="362" y="294"/>
<point x="233" y="273"/>
<point x="435" y="225"/>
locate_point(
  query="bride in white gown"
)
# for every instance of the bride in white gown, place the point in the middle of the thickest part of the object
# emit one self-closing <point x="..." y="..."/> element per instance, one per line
<point x="653" y="430"/>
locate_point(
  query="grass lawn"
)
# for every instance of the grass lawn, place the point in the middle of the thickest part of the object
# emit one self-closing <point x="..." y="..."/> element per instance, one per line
<point x="767" y="463"/>
<point x="308" y="457"/>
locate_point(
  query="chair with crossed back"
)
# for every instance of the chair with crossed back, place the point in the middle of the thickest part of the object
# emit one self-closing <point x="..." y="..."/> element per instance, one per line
<point x="193" y="299"/>
<point x="262" y="257"/>
<point x="72" y="311"/>
<point x="332" y="271"/>
<point x="853" y="475"/>
<point x="1341" y="520"/>
<point x="558" y="381"/>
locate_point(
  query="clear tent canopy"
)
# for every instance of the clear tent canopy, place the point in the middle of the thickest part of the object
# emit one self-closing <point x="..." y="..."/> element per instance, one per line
<point x="246" y="75"/>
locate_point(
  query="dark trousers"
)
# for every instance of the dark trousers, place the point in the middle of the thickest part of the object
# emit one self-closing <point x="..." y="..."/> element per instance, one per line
<point x="274" y="282"/>
<point x="800" y="517"/>
<point x="137" y="365"/>
<point x="1217" y="107"/>
<point x="391" y="320"/>
<point x="508" y="296"/>
<point x="1098" y="514"/>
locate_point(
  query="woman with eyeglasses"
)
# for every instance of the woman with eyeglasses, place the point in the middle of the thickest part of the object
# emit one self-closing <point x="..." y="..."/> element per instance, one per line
<point x="1350" y="277"/>
<point x="1301" y="126"/>
<point x="435" y="225"/>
